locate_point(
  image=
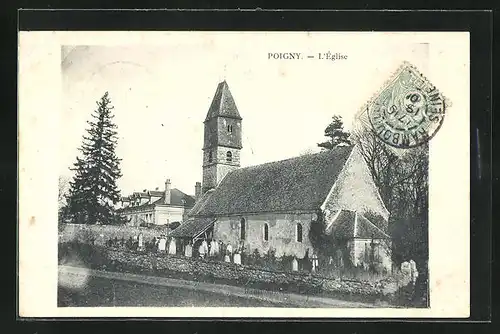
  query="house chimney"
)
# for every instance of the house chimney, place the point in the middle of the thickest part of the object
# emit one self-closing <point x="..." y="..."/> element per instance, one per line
<point x="197" y="190"/>
<point x="167" y="192"/>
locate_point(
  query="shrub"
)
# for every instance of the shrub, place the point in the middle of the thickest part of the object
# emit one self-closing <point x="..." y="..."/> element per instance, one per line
<point x="78" y="253"/>
<point x="286" y="262"/>
<point x="254" y="259"/>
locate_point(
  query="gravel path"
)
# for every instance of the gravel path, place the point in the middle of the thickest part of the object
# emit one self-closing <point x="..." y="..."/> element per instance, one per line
<point x="183" y="292"/>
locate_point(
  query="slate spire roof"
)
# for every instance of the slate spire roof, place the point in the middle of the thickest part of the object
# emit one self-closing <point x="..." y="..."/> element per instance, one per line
<point x="223" y="103"/>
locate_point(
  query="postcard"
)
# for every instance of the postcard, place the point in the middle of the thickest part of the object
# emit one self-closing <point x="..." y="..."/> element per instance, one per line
<point x="243" y="174"/>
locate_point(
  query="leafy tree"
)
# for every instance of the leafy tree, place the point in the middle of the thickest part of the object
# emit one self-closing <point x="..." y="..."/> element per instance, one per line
<point x="336" y="134"/>
<point x="93" y="191"/>
<point x="402" y="179"/>
<point x="323" y="244"/>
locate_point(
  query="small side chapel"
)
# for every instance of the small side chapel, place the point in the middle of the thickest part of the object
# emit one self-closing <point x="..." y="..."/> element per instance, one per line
<point x="272" y="205"/>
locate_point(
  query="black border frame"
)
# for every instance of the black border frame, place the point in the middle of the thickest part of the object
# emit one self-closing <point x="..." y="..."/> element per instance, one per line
<point x="478" y="23"/>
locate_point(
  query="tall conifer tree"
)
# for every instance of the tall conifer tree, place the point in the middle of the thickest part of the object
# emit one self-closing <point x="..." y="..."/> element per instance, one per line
<point x="93" y="191"/>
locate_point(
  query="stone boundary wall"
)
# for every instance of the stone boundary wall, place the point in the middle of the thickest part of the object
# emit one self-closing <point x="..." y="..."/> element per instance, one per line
<point x="192" y="268"/>
<point x="243" y="274"/>
<point x="102" y="233"/>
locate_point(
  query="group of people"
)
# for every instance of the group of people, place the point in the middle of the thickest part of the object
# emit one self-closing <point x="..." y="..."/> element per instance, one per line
<point x="214" y="248"/>
<point x="161" y="243"/>
<point x="207" y="248"/>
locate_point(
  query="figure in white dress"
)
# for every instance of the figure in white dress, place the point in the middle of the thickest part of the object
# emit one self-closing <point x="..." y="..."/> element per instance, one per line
<point x="229" y="253"/>
<point x="172" y="247"/>
<point x="188" y="250"/>
<point x="140" y="242"/>
<point x="213" y="248"/>
<point x="162" y="243"/>
<point x="295" y="264"/>
<point x="314" y="262"/>
<point x="237" y="258"/>
<point x="204" y="244"/>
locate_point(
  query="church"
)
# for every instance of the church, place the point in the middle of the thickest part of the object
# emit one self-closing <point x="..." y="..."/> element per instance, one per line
<point x="273" y="205"/>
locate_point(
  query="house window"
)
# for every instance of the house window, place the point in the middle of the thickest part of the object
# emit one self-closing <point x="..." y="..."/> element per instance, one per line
<point x="230" y="128"/>
<point x="210" y="157"/>
<point x="299" y="233"/>
<point x="229" y="156"/>
<point x="266" y="232"/>
<point x="242" y="229"/>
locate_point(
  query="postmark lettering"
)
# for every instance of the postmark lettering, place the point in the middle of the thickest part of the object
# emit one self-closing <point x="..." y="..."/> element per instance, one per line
<point x="409" y="110"/>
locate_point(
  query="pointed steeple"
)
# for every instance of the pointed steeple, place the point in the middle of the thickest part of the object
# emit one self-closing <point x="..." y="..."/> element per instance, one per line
<point x="221" y="138"/>
<point x="223" y="104"/>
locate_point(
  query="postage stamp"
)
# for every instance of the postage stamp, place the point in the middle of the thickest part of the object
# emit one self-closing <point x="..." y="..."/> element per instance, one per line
<point x="408" y="111"/>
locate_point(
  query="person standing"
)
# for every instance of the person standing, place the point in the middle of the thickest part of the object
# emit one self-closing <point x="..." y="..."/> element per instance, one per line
<point x="204" y="244"/>
<point x="162" y="244"/>
<point x="340" y="259"/>
<point x="216" y="248"/>
<point x="188" y="250"/>
<point x="314" y="262"/>
<point x="212" y="248"/>
<point x="140" y="242"/>
<point x="229" y="252"/>
<point x="172" y="247"/>
<point x="201" y="251"/>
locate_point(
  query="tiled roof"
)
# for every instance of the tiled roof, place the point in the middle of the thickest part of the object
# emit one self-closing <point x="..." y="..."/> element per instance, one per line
<point x="223" y="103"/>
<point x="140" y="194"/>
<point x="156" y="193"/>
<point x="200" y="203"/>
<point x="297" y="184"/>
<point x="176" y="198"/>
<point x="348" y="224"/>
<point x="192" y="227"/>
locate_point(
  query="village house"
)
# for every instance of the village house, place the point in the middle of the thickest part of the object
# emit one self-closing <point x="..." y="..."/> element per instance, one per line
<point x="157" y="207"/>
<point x="273" y="205"/>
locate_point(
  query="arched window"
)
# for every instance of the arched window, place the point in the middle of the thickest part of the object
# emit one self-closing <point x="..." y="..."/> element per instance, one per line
<point x="210" y="157"/>
<point x="299" y="233"/>
<point x="242" y="229"/>
<point x="229" y="128"/>
<point x="266" y="232"/>
<point x="229" y="156"/>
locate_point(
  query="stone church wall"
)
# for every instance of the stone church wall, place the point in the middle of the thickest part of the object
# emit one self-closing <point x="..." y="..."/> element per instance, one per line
<point x="282" y="233"/>
<point x="383" y="252"/>
<point x="355" y="190"/>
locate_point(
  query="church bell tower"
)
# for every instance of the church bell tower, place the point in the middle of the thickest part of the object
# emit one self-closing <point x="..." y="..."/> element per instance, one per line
<point x="222" y="138"/>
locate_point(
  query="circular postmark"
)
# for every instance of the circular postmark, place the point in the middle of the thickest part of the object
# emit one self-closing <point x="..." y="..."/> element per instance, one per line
<point x="408" y="112"/>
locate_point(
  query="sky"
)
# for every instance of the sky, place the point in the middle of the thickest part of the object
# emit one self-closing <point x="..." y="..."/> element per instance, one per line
<point x="161" y="93"/>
